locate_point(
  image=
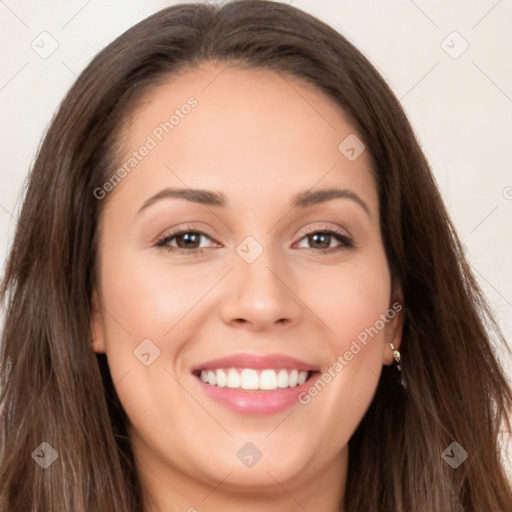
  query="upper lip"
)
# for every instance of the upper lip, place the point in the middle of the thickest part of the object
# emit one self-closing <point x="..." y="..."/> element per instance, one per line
<point x="257" y="362"/>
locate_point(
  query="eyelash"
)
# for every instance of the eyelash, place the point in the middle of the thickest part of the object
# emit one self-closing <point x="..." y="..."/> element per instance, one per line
<point x="338" y="235"/>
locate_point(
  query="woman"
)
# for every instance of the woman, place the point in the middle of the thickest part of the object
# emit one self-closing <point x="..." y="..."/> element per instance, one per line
<point x="234" y="285"/>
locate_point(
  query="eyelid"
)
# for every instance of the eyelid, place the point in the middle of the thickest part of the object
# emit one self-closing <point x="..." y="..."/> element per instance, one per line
<point x="325" y="227"/>
<point x="160" y="241"/>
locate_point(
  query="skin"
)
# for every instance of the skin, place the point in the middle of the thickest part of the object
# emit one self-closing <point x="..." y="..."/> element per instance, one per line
<point x="259" y="138"/>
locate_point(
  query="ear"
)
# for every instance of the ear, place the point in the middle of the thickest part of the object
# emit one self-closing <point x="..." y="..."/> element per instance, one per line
<point x="394" y="327"/>
<point x="97" y="325"/>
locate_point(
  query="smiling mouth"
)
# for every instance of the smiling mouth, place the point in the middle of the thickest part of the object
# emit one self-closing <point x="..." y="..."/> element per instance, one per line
<point x="250" y="379"/>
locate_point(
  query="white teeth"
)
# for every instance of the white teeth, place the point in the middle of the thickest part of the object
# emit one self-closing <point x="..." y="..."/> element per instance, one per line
<point x="233" y="379"/>
<point x="251" y="379"/>
<point x="282" y="379"/>
<point x="268" y="379"/>
<point x="212" y="377"/>
<point x="222" y="378"/>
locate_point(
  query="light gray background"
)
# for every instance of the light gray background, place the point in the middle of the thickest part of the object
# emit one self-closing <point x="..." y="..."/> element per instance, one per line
<point x="460" y="105"/>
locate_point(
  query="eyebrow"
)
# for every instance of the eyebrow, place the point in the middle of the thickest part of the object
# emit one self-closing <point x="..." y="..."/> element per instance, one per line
<point x="308" y="198"/>
<point x="209" y="198"/>
<point x="193" y="195"/>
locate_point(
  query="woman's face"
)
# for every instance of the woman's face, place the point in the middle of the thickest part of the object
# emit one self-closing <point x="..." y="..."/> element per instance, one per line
<point x="278" y="274"/>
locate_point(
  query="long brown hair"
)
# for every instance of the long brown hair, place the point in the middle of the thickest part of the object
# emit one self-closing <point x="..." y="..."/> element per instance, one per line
<point x="55" y="389"/>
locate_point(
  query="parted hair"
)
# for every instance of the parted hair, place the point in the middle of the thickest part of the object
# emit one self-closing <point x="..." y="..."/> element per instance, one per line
<point x="55" y="388"/>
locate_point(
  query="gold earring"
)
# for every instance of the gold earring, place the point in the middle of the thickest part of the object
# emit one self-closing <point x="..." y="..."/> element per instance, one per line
<point x="396" y="356"/>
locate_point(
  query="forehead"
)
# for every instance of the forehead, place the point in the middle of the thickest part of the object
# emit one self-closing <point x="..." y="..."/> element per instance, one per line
<point x="243" y="131"/>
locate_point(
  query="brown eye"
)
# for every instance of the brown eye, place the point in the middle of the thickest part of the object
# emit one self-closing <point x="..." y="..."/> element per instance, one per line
<point x="321" y="240"/>
<point x="189" y="240"/>
<point x="184" y="241"/>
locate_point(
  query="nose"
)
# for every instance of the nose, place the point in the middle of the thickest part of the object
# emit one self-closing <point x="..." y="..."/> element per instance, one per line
<point x="261" y="295"/>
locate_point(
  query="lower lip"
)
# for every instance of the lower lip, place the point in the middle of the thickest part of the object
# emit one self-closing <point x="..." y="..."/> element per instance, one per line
<point x="256" y="402"/>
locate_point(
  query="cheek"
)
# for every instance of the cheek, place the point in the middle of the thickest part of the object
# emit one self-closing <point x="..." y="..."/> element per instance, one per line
<point x="349" y="298"/>
<point x="353" y="304"/>
<point x="149" y="308"/>
<point x="149" y="297"/>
